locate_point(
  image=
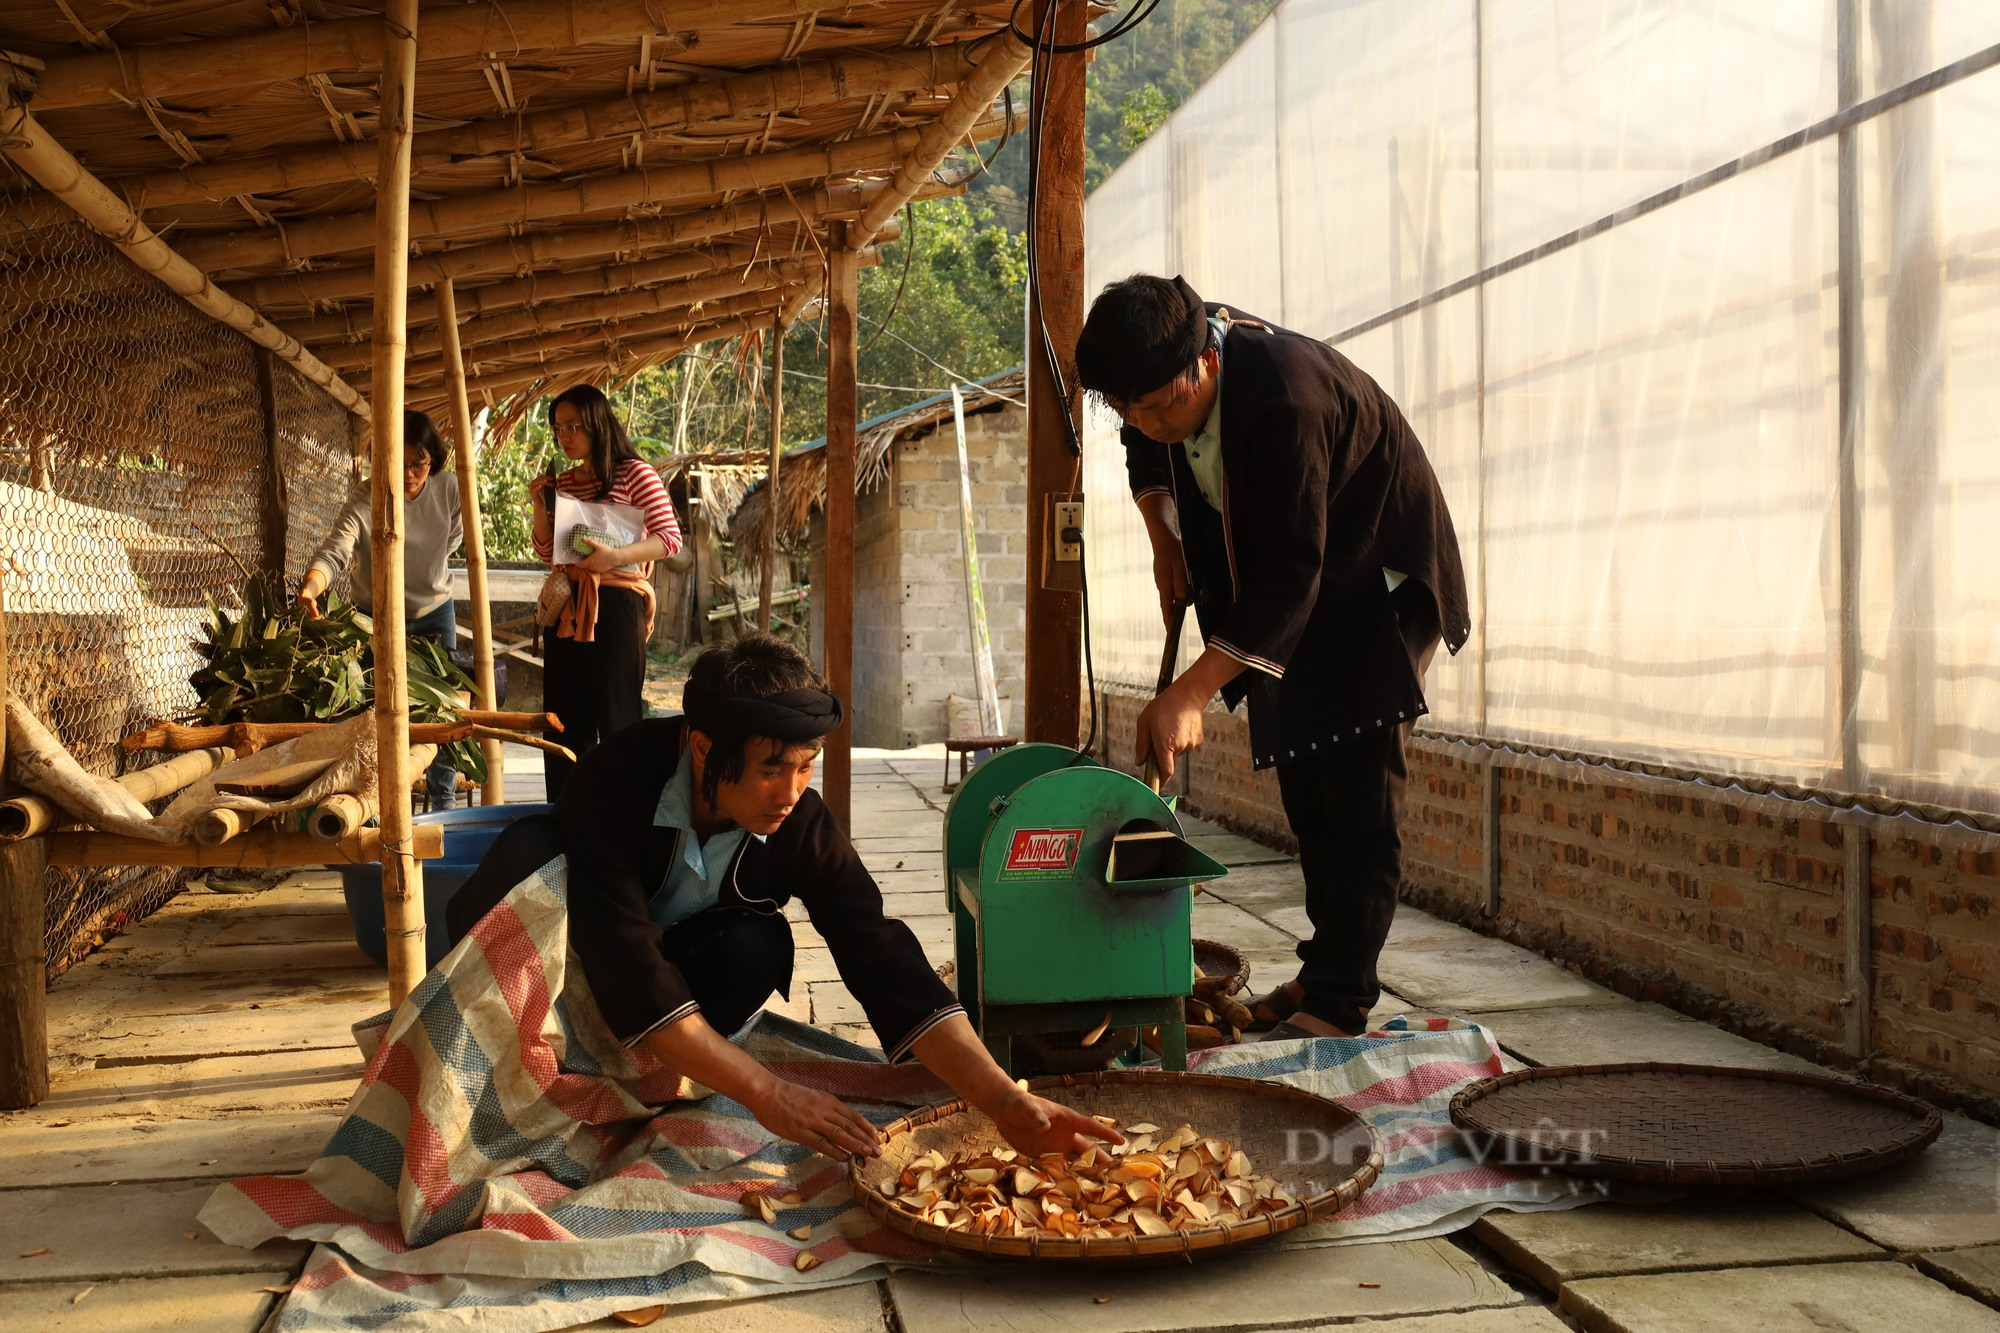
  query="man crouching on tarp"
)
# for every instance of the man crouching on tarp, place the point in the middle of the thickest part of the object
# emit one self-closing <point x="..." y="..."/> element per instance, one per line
<point x="685" y="838"/>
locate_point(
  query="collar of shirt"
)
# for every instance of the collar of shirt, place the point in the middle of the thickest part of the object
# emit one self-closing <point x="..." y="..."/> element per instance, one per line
<point x="700" y="863"/>
<point x="1204" y="447"/>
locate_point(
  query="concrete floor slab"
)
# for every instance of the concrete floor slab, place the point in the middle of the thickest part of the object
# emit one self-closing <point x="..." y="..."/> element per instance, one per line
<point x="831" y="1004"/>
<point x="108" y="1150"/>
<point x="1609" y="1239"/>
<point x="1810" y="1298"/>
<point x="1233" y="849"/>
<point x="1505" y="1319"/>
<point x="1252" y="1290"/>
<point x="1976" y="1271"/>
<point x="289" y="1080"/>
<point x="857" y="1308"/>
<point x="1478" y="974"/>
<point x="228" y="1303"/>
<point x="127" y="1230"/>
<point x="1947" y="1196"/>
<point x="321" y="956"/>
<point x="1256" y="886"/>
<point x="921" y="902"/>
<point x="1629" y="1030"/>
<point x="1239" y="927"/>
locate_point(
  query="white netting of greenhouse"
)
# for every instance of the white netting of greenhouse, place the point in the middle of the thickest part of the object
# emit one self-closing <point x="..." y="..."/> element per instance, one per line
<point x="1610" y="301"/>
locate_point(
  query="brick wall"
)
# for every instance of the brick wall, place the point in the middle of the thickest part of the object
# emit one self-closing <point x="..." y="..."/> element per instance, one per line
<point x="1723" y="903"/>
<point x="878" y="620"/>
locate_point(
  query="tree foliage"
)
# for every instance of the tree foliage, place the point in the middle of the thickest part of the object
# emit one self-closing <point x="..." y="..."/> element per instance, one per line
<point x="951" y="290"/>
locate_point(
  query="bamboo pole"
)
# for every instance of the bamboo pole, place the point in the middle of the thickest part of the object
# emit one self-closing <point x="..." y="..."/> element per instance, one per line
<point x="259" y="847"/>
<point x="212" y="828"/>
<point x="622" y="358"/>
<point x="680" y="182"/>
<point x="183" y="69"/>
<point x="25" y="815"/>
<point x="1002" y="57"/>
<point x="31" y="149"/>
<point x="540" y="347"/>
<point x="340" y="817"/>
<point x="791" y="87"/>
<point x="24" y="1025"/>
<point x="494" y="790"/>
<point x="550" y="316"/>
<point x="540" y="249"/>
<point x="249" y="737"/>
<point x="402" y="876"/>
<point x="340" y="325"/>
<point x="769" y="574"/>
<point x="842" y="417"/>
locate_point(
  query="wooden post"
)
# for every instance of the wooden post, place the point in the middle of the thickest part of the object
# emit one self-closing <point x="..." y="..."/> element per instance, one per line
<point x="702" y="569"/>
<point x="842" y="415"/>
<point x="1056" y="301"/>
<point x="274" y="518"/>
<point x="494" y="792"/>
<point x="402" y="876"/>
<point x="24" y="1027"/>
<point x="767" y="585"/>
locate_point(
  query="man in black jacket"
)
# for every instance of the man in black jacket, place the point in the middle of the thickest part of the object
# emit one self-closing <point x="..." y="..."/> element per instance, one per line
<point x="1287" y="498"/>
<point x="684" y="839"/>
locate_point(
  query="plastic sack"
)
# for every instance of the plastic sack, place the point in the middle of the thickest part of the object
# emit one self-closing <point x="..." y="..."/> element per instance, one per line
<point x="624" y="522"/>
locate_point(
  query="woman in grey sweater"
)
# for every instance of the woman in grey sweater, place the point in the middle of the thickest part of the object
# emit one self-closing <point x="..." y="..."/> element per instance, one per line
<point x="431" y="532"/>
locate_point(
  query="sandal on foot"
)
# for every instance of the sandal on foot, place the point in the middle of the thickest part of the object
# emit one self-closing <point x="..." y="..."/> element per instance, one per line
<point x="1267" y="1011"/>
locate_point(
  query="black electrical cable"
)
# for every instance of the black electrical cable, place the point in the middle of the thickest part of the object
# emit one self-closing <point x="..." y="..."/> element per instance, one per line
<point x="1042" y="46"/>
<point x="909" y="257"/>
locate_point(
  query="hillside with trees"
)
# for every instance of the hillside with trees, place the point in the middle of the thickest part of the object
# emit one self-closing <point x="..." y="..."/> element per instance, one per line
<point x="945" y="304"/>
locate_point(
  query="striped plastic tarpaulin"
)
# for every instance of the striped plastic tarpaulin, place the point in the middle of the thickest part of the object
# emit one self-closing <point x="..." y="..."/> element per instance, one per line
<point x="505" y="1163"/>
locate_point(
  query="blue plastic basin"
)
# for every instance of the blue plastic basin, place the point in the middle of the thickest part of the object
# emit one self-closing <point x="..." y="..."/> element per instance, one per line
<point x="468" y="832"/>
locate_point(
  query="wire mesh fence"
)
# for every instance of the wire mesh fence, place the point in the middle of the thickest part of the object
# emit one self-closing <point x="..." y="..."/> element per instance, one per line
<point x="144" y="452"/>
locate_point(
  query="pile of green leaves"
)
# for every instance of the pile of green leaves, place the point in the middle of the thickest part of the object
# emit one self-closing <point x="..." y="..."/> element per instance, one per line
<point x="270" y="663"/>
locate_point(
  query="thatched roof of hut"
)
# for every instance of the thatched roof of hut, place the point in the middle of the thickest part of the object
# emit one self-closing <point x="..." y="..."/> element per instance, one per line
<point x="802" y="472"/>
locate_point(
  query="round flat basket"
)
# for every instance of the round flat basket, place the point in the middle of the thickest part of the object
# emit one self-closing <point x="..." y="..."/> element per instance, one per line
<point x="1219" y="960"/>
<point x="1323" y="1154"/>
<point x="1692" y="1124"/>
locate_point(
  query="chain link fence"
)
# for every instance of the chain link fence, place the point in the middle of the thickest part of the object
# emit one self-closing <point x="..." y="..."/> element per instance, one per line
<point x="144" y="452"/>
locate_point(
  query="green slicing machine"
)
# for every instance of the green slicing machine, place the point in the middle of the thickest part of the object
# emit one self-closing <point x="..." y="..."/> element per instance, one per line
<point x="1072" y="898"/>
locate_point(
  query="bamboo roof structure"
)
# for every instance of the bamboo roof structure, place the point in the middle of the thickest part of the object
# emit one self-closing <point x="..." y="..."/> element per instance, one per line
<point x="605" y="182"/>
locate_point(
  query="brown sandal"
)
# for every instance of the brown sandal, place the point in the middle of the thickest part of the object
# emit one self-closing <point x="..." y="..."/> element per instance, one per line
<point x="1267" y="1011"/>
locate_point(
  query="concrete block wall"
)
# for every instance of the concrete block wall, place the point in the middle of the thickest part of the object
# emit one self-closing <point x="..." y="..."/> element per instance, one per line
<point x="929" y="588"/>
<point x="1724" y="903"/>
<point x="878" y="620"/>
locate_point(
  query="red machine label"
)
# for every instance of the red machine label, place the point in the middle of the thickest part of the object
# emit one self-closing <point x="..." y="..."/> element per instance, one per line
<point x="1044" y="849"/>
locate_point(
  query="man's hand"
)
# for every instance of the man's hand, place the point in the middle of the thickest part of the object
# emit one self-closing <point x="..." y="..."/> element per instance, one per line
<point x="817" y="1120"/>
<point x="1035" y="1125"/>
<point x="308" y="604"/>
<point x="1168" y="726"/>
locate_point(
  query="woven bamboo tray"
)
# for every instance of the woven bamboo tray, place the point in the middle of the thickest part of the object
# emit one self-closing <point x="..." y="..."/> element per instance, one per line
<point x="1254" y="1114"/>
<point x="1212" y="959"/>
<point x="1692" y="1124"/>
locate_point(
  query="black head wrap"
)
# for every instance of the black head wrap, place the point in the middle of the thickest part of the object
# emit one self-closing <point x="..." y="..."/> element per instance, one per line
<point x="1111" y="362"/>
<point x="794" y="715"/>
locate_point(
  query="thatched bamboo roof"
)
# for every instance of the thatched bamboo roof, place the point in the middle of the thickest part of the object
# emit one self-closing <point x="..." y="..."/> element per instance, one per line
<point x="802" y="470"/>
<point x="605" y="181"/>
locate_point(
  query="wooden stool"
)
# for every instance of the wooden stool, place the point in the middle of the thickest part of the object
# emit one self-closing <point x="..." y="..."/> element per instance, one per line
<point x="963" y="746"/>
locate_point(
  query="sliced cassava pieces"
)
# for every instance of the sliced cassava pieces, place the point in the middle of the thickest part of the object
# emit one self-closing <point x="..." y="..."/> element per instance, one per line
<point x="1151" y="1185"/>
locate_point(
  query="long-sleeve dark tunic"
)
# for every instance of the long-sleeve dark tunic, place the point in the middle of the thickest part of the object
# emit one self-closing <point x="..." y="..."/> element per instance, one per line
<point x="1325" y="486"/>
<point x="619" y="858"/>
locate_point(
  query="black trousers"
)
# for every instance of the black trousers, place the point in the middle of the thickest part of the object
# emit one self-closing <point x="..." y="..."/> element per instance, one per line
<point x="732" y="958"/>
<point x="1345" y="804"/>
<point x="595" y="687"/>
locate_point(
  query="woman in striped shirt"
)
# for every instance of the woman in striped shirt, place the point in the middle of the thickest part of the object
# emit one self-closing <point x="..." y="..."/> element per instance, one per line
<point x="594" y="663"/>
